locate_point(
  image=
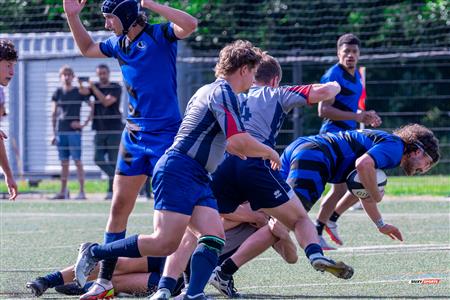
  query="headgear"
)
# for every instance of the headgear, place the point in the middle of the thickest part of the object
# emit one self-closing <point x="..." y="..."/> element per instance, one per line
<point x="126" y="10"/>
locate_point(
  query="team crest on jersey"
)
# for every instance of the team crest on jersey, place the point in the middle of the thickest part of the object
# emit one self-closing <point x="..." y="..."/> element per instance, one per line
<point x="141" y="45"/>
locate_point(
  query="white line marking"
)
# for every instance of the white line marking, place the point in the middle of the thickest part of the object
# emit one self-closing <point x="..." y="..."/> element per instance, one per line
<point x="406" y="281"/>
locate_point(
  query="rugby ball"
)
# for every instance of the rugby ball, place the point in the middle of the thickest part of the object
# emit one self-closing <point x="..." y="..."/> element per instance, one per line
<point x="355" y="186"/>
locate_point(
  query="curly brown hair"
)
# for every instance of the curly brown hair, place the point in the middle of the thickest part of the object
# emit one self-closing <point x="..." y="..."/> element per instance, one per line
<point x="236" y="55"/>
<point x="416" y="136"/>
<point x="7" y="51"/>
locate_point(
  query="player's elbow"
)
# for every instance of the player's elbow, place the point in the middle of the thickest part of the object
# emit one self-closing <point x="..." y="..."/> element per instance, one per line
<point x="364" y="163"/>
<point x="323" y="92"/>
<point x="237" y="144"/>
<point x="192" y="25"/>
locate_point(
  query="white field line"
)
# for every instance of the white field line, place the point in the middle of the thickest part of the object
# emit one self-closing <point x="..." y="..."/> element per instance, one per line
<point x="406" y="281"/>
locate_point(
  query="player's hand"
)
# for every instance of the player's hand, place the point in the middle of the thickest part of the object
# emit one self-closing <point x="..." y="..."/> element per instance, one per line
<point x="274" y="158"/>
<point x="391" y="231"/>
<point x="3" y="135"/>
<point x="73" y="7"/>
<point x="12" y="187"/>
<point x="259" y="220"/>
<point x="374" y="119"/>
<point x="53" y="141"/>
<point x="278" y="229"/>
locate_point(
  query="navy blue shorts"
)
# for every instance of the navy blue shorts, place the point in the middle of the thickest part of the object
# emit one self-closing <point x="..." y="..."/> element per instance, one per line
<point x="180" y="183"/>
<point x="236" y="181"/>
<point x="139" y="151"/>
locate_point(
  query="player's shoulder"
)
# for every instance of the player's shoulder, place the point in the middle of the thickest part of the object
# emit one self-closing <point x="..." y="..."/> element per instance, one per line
<point x="335" y="69"/>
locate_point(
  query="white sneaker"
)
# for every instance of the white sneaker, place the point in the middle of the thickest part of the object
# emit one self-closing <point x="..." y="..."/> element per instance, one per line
<point x="324" y="244"/>
<point x="161" y="294"/>
<point x="101" y="289"/>
<point x="332" y="229"/>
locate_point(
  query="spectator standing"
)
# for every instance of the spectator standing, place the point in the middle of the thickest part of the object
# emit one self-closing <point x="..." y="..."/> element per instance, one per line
<point x="107" y="123"/>
<point x="67" y="101"/>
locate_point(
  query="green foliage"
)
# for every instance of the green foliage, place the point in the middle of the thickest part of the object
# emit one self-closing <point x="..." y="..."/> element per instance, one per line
<point x="281" y="26"/>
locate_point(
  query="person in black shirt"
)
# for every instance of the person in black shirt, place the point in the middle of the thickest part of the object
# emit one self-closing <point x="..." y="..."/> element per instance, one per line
<point x="67" y="128"/>
<point x="107" y="122"/>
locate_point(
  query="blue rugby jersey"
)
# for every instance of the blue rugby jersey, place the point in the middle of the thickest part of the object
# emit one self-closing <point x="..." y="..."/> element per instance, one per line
<point x="148" y="65"/>
<point x="342" y="149"/>
<point x="346" y="100"/>
<point x="263" y="109"/>
<point x="212" y="116"/>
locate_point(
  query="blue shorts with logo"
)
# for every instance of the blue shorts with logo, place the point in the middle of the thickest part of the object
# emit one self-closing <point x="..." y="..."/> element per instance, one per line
<point x="139" y="151"/>
<point x="180" y="183"/>
<point x="69" y="145"/>
<point x="236" y="181"/>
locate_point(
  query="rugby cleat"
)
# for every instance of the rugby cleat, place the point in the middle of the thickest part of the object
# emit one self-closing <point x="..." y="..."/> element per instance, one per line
<point x="338" y="269"/>
<point x="324" y="244"/>
<point x="37" y="286"/>
<point x="85" y="263"/>
<point x="200" y="296"/>
<point x="332" y="229"/>
<point x="161" y="294"/>
<point x="99" y="290"/>
<point x="224" y="283"/>
<point x="70" y="289"/>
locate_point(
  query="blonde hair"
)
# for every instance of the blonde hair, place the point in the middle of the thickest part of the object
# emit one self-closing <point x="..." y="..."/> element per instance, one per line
<point x="236" y="55"/>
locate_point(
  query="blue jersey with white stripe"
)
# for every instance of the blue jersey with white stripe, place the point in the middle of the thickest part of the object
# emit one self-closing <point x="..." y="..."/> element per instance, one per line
<point x="342" y="149"/>
<point x="212" y="116"/>
<point x="346" y="100"/>
<point x="148" y="65"/>
<point x="264" y="109"/>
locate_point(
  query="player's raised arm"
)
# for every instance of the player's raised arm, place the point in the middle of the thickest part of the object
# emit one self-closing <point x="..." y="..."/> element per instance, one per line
<point x="87" y="46"/>
<point x="184" y="23"/>
<point x="323" y="91"/>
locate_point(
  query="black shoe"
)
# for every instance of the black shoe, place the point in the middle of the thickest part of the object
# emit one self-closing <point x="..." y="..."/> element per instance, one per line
<point x="38" y="286"/>
<point x="70" y="289"/>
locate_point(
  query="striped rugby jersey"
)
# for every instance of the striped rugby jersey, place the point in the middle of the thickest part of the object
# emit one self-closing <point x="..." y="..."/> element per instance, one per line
<point x="346" y="100"/>
<point x="212" y="116"/>
<point x="342" y="149"/>
<point x="263" y="109"/>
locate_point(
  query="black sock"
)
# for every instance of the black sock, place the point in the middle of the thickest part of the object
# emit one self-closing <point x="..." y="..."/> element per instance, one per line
<point x="107" y="267"/>
<point x="229" y="267"/>
<point x="319" y="227"/>
<point x="334" y="217"/>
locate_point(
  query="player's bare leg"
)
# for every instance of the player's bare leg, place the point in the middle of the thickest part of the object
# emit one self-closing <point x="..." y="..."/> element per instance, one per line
<point x="326" y="210"/>
<point x="293" y="215"/>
